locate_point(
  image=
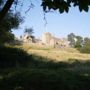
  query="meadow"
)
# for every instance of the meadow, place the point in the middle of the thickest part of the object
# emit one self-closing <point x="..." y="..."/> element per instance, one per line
<point x="36" y="67"/>
<point x="56" y="54"/>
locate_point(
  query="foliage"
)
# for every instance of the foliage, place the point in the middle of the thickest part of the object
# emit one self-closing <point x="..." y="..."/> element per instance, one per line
<point x="11" y="21"/>
<point x="86" y="40"/>
<point x="75" y="41"/>
<point x="79" y="42"/>
<point x="29" y="31"/>
<point x="64" y="5"/>
<point x="61" y="5"/>
<point x="83" y="45"/>
<point x="86" y="46"/>
<point x="71" y="38"/>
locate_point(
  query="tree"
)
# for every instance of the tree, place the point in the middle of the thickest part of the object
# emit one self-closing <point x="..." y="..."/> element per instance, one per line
<point x="64" y="5"/>
<point x="71" y="38"/>
<point x="75" y="41"/>
<point x="86" y="46"/>
<point x="86" y="40"/>
<point x="11" y="21"/>
<point x="79" y="42"/>
<point x="61" y="5"/>
<point x="5" y="9"/>
<point x="29" y="31"/>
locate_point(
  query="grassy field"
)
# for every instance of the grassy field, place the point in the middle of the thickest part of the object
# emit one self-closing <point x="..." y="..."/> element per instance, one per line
<point x="43" y="68"/>
<point x="59" y="54"/>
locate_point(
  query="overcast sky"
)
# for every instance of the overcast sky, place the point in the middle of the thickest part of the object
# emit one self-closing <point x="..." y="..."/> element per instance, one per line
<point x="60" y="25"/>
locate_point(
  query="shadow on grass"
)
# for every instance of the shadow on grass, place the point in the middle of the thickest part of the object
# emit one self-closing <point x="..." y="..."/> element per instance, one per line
<point x="20" y="71"/>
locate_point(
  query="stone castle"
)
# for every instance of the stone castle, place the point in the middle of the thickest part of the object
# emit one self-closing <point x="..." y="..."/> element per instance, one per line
<point x="47" y="39"/>
<point x="50" y="40"/>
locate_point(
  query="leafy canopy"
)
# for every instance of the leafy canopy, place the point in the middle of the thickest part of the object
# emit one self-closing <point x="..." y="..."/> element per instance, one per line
<point x="29" y="31"/>
<point x="10" y="21"/>
<point x="64" y="5"/>
<point x="61" y="5"/>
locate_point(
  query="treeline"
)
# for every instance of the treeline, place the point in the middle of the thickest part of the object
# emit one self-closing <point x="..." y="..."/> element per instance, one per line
<point x="82" y="44"/>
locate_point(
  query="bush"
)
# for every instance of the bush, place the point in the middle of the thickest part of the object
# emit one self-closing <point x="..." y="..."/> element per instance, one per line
<point x="85" y="48"/>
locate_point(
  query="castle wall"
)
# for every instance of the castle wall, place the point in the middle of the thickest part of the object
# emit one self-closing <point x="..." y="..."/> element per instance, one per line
<point x="48" y="39"/>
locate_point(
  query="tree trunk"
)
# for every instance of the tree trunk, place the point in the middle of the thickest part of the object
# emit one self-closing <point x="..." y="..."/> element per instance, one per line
<point x="5" y="9"/>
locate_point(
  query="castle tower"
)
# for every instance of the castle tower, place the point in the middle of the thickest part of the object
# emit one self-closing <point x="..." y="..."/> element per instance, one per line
<point x="46" y="37"/>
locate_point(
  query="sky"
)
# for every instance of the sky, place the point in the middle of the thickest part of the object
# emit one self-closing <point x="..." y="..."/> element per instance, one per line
<point x="60" y="25"/>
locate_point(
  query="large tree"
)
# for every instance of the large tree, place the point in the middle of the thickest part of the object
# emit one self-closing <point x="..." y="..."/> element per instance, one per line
<point x="72" y="39"/>
<point x="10" y="21"/>
<point x="5" y="8"/>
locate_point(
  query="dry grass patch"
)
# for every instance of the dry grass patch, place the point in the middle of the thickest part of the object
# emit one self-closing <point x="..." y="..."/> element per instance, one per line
<point x="60" y="54"/>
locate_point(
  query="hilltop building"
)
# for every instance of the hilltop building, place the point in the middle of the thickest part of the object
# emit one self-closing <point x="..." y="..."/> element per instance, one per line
<point x="27" y="38"/>
<point x="48" y="39"/>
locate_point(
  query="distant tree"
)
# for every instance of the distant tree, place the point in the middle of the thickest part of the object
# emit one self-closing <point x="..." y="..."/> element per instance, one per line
<point x="79" y="42"/>
<point x="86" y="46"/>
<point x="72" y="39"/>
<point x="29" y="31"/>
<point x="86" y="40"/>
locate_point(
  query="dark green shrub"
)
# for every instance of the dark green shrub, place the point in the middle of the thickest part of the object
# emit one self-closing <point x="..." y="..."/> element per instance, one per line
<point x="85" y="49"/>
